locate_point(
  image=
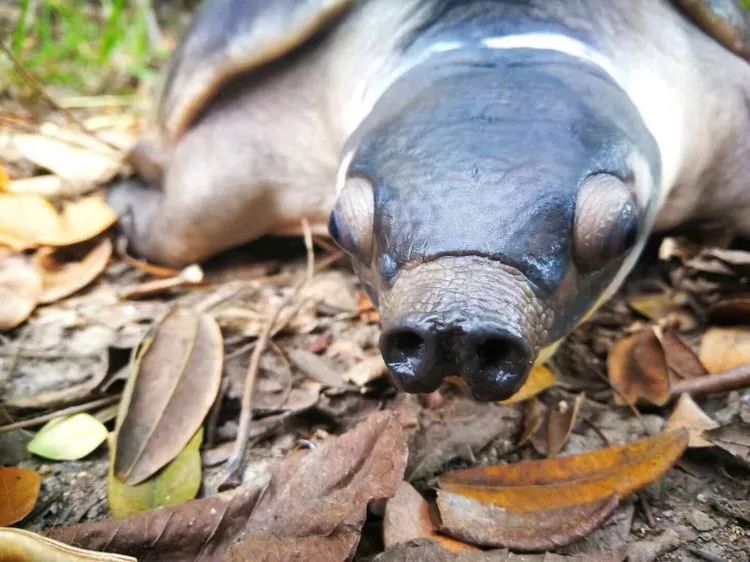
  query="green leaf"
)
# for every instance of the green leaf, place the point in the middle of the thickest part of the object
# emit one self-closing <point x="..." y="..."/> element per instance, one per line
<point x="68" y="438"/>
<point x="177" y="483"/>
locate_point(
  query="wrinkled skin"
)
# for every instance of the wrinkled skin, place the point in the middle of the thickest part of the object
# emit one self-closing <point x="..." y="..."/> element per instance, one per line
<point x="491" y="192"/>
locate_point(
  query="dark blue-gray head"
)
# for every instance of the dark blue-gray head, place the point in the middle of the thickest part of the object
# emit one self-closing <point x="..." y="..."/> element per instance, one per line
<point x="490" y="200"/>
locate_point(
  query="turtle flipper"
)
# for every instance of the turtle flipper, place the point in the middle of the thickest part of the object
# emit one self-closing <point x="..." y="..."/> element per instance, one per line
<point x="727" y="21"/>
<point x="228" y="38"/>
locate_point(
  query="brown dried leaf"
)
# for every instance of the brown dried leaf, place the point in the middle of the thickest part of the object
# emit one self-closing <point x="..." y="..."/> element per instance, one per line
<point x="534" y="426"/>
<point x="312" y="508"/>
<point x="565" y="481"/>
<point x="366" y="371"/>
<point x="561" y="422"/>
<point x="688" y="415"/>
<point x="723" y="349"/>
<point x="20" y="290"/>
<point x="638" y="370"/>
<point x="681" y="360"/>
<point x="489" y="525"/>
<point x="174" y="383"/>
<point x="730" y="311"/>
<point x="62" y="278"/>
<point x="18" y="545"/>
<point x="315" y="367"/>
<point x="407" y="517"/>
<point x="733" y="438"/>
<point x="653" y="306"/>
<point x="337" y="481"/>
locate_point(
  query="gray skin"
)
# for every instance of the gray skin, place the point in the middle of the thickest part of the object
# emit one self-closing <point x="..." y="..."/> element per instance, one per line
<point x="491" y="192"/>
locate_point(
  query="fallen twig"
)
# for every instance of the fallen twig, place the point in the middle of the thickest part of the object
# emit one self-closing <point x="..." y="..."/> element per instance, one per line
<point x="734" y="379"/>
<point x="235" y="464"/>
<point x="39" y="420"/>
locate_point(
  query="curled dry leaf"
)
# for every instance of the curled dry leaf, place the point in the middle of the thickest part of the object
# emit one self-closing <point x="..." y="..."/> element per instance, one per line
<point x="408" y="517"/>
<point x="19" y="490"/>
<point x="63" y="278"/>
<point x="535" y="416"/>
<point x="565" y="481"/>
<point x="18" y="545"/>
<point x="175" y="381"/>
<point x="688" y="415"/>
<point x="540" y="379"/>
<point x="730" y="311"/>
<point x="68" y="438"/>
<point x="177" y="483"/>
<point x="637" y="369"/>
<point x="489" y="525"/>
<point x="733" y="438"/>
<point x="20" y="290"/>
<point x="28" y="221"/>
<point x="681" y="360"/>
<point x="561" y="422"/>
<point x="723" y="349"/>
<point x="312" y="508"/>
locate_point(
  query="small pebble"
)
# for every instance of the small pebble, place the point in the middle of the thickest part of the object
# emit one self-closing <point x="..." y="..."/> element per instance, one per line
<point x="700" y="521"/>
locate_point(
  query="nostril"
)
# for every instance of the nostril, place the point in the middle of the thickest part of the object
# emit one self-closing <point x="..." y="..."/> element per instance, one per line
<point x="494" y="353"/>
<point x="496" y="365"/>
<point x="404" y="348"/>
<point x="410" y="355"/>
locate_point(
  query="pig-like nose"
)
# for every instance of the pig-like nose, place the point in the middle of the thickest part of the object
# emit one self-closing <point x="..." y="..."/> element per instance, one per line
<point x="493" y="362"/>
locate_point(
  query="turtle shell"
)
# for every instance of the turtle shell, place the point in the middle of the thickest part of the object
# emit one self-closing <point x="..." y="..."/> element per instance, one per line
<point x="228" y="38"/>
<point x="727" y="21"/>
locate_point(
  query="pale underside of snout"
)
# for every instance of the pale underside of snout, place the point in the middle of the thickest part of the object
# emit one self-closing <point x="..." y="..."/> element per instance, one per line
<point x="462" y="315"/>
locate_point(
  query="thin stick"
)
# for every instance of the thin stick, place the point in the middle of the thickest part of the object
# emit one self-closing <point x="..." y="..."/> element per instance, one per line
<point x="37" y="86"/>
<point x="106" y="401"/>
<point x="236" y="461"/>
<point x="721" y="382"/>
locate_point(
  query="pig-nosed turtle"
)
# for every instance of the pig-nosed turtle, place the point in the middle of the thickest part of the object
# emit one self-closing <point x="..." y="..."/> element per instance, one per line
<point x="498" y="164"/>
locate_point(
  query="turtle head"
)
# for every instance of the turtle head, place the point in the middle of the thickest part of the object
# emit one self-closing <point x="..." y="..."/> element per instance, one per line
<point x="488" y="204"/>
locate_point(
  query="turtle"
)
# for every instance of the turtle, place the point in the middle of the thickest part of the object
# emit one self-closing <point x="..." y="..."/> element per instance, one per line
<point x="492" y="167"/>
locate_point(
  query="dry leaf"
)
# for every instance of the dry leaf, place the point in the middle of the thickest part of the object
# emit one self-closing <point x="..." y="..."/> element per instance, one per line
<point x="565" y="481"/>
<point x="20" y="290"/>
<point x="540" y="379"/>
<point x="174" y="383"/>
<point x="489" y="525"/>
<point x="407" y="517"/>
<point x="337" y="482"/>
<point x="312" y="508"/>
<point x="733" y="438"/>
<point x="681" y="360"/>
<point x="535" y="414"/>
<point x="316" y="368"/>
<point x="637" y="369"/>
<point x="730" y="311"/>
<point x="75" y="159"/>
<point x="27" y="221"/>
<point x="561" y="422"/>
<point x="62" y="278"/>
<point x="366" y="371"/>
<point x="366" y="310"/>
<point x="688" y="415"/>
<point x="653" y="306"/>
<point x="18" y="545"/>
<point x="723" y="349"/>
<point x="19" y="490"/>
<point x="44" y="186"/>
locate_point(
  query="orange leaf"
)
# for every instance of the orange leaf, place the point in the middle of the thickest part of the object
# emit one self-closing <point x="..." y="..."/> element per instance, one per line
<point x="407" y="517"/>
<point x="566" y="481"/>
<point x="19" y="490"/>
<point x="540" y="379"/>
<point x="638" y="370"/>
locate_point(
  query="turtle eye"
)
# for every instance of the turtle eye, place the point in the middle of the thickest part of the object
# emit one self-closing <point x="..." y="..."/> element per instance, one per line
<point x="606" y="222"/>
<point x="351" y="221"/>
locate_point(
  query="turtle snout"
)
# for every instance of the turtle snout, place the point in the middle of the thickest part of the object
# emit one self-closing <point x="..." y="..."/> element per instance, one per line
<point x="493" y="362"/>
